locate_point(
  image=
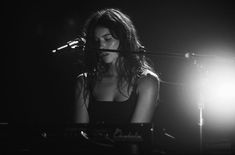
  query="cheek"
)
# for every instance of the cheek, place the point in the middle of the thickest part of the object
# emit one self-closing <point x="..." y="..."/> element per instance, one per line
<point x="115" y="45"/>
<point x="116" y="55"/>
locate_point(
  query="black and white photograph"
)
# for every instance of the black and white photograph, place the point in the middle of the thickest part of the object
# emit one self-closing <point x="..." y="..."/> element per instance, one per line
<point x="118" y="77"/>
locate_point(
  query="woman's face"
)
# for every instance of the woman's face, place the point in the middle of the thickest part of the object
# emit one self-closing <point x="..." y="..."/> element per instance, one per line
<point x="105" y="40"/>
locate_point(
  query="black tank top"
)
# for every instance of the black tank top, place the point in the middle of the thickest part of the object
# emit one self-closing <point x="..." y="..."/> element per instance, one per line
<point x="112" y="112"/>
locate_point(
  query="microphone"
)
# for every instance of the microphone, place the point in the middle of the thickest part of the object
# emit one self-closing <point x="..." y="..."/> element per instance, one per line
<point x="189" y="55"/>
<point x="77" y="42"/>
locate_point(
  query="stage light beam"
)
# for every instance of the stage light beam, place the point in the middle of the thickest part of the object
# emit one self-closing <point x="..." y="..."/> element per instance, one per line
<point x="218" y="89"/>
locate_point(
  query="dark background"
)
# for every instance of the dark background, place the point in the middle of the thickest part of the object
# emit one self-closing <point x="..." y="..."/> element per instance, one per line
<point x="38" y="85"/>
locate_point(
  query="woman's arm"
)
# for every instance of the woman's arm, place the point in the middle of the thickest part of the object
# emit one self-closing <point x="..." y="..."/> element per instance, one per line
<point x="81" y="105"/>
<point x="147" y="101"/>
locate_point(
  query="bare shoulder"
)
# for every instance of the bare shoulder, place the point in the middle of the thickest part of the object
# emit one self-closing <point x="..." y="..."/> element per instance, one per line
<point x="148" y="80"/>
<point x="80" y="79"/>
<point x="82" y="75"/>
<point x="149" y="77"/>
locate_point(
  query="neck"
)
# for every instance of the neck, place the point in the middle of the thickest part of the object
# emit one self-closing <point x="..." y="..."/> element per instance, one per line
<point x="112" y="70"/>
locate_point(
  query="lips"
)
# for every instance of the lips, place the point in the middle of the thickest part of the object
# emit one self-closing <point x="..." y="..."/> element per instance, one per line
<point x="104" y="54"/>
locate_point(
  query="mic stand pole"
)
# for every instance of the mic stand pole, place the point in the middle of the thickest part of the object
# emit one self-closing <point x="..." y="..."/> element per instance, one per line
<point x="201" y="120"/>
<point x="169" y="53"/>
<point x="201" y="97"/>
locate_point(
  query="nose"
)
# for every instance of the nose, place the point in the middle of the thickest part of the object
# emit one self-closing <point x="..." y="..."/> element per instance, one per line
<point x="102" y="44"/>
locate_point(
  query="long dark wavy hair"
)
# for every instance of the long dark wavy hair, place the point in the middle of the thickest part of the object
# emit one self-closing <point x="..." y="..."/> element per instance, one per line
<point x="129" y="65"/>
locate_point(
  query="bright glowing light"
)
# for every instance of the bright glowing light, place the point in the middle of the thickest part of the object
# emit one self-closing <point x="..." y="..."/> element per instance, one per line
<point x="217" y="85"/>
<point x="221" y="84"/>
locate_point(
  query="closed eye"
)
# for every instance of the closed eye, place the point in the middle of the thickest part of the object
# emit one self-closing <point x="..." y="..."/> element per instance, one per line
<point x="108" y="39"/>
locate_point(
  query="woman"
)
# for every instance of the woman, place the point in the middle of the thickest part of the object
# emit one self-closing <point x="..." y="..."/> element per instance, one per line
<point x="117" y="87"/>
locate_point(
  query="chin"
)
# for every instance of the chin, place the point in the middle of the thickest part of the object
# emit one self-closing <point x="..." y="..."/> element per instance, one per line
<point x="107" y="60"/>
